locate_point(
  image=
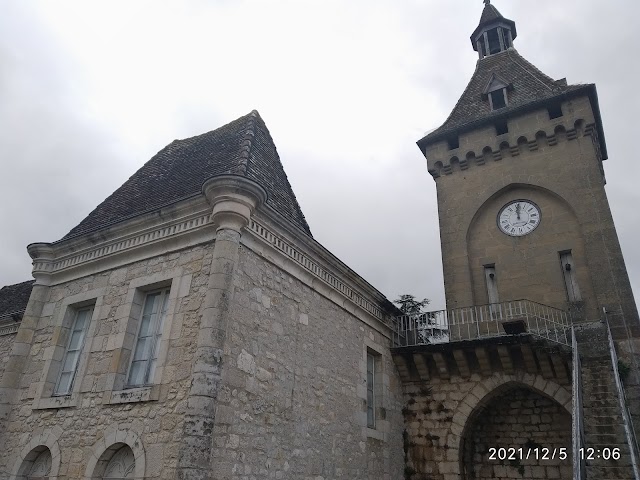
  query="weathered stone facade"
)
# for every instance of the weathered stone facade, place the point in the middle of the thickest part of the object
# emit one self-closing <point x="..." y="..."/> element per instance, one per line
<point x="6" y="341"/>
<point x="287" y="381"/>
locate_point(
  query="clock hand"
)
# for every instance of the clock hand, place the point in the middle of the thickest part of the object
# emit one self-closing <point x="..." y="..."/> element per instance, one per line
<point x="518" y="210"/>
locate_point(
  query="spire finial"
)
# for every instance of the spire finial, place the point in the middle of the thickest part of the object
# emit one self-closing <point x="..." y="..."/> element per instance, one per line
<point x="486" y="2"/>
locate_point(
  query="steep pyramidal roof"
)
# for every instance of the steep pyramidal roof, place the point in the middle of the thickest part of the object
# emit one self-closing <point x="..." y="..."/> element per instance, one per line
<point x="242" y="147"/>
<point x="528" y="87"/>
<point x="14" y="298"/>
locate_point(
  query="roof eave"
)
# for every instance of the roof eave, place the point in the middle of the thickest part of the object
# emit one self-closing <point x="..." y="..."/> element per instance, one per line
<point x="590" y="89"/>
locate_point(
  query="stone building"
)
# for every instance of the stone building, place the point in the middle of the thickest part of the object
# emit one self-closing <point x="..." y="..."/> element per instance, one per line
<point x="537" y="292"/>
<point x="192" y="328"/>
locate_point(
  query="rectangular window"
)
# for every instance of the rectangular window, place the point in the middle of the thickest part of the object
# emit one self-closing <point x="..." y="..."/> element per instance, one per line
<point x="555" y="111"/>
<point x="569" y="274"/>
<point x="145" y="353"/>
<point x="494" y="41"/>
<point x="72" y="353"/>
<point x="453" y="142"/>
<point x="498" y="99"/>
<point x="505" y="37"/>
<point x="492" y="283"/>
<point x="371" y="397"/>
<point x="502" y="127"/>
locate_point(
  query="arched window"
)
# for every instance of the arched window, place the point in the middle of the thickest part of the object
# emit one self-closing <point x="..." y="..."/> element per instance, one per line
<point x="36" y="465"/>
<point x="120" y="463"/>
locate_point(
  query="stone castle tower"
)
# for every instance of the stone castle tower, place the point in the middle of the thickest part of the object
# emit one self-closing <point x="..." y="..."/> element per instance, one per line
<point x="535" y="282"/>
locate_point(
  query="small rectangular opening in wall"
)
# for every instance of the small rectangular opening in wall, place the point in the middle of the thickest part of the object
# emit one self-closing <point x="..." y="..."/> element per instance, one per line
<point x="569" y="274"/>
<point x="555" y="111"/>
<point x="453" y="142"/>
<point x="498" y="99"/>
<point x="501" y="127"/>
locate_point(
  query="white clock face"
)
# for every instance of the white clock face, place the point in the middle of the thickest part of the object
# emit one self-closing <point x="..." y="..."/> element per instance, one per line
<point x="519" y="218"/>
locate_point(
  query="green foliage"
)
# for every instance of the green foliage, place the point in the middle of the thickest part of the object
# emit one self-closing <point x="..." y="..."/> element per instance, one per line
<point x="410" y="305"/>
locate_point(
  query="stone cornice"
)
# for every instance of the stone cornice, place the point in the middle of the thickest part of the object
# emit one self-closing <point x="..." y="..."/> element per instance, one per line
<point x="190" y="223"/>
<point x="522" y="145"/>
<point x="171" y="229"/>
<point x="9" y="328"/>
<point x="313" y="264"/>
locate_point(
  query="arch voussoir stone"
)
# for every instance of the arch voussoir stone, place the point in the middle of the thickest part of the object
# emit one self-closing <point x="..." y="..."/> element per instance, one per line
<point x="484" y="391"/>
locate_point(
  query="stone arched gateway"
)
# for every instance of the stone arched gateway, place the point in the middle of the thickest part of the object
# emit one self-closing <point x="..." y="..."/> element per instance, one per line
<point x="487" y="397"/>
<point x="516" y="432"/>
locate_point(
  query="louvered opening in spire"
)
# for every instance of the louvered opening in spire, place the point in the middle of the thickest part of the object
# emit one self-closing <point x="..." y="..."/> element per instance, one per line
<point x="494" y="33"/>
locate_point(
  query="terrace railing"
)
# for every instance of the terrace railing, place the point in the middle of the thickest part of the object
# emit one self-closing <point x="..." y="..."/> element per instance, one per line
<point x="483" y="321"/>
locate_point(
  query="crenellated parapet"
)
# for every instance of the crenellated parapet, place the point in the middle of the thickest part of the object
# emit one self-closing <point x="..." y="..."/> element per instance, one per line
<point x="522" y="144"/>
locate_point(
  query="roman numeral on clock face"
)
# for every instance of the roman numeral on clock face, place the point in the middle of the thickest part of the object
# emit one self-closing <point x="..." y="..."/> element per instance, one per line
<point x="518" y="218"/>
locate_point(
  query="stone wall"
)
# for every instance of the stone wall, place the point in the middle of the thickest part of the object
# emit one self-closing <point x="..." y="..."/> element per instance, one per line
<point x="292" y="404"/>
<point x="80" y="424"/>
<point x="441" y="417"/>
<point x="539" y="157"/>
<point x="6" y="341"/>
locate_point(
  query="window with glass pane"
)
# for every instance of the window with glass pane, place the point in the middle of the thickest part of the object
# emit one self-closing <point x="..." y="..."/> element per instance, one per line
<point x="371" y="417"/>
<point x="74" y="348"/>
<point x="145" y="353"/>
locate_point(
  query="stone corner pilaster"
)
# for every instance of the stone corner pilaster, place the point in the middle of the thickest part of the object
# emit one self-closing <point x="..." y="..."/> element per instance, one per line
<point x="43" y="257"/>
<point x="233" y="199"/>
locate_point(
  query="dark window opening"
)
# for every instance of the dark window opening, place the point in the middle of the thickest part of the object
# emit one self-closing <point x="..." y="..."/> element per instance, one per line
<point x="494" y="42"/>
<point x="497" y="99"/>
<point x="453" y="142"/>
<point x="501" y="127"/>
<point x="555" y="111"/>
<point x="505" y="37"/>
<point x="483" y="48"/>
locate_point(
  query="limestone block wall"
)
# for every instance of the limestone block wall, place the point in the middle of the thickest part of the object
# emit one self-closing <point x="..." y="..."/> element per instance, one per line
<point x="293" y="397"/>
<point x="6" y="341"/>
<point x="558" y="157"/>
<point x="448" y="419"/>
<point x="99" y="413"/>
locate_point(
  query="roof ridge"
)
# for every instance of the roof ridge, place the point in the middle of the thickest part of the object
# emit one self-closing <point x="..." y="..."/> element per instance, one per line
<point x="453" y="110"/>
<point x="514" y="58"/>
<point x="267" y="132"/>
<point x="246" y="144"/>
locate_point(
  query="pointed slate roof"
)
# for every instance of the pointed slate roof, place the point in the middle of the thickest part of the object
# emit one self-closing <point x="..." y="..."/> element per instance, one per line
<point x="529" y="88"/>
<point x="242" y="147"/>
<point x="14" y="298"/>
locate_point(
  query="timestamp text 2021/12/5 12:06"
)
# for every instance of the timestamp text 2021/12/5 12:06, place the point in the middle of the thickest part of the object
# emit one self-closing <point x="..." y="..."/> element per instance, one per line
<point x="544" y="453"/>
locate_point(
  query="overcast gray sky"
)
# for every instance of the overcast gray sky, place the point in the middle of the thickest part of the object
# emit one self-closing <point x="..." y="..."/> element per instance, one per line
<point x="90" y="90"/>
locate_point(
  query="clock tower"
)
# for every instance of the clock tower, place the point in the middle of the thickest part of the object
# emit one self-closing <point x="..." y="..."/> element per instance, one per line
<point x="537" y="346"/>
<point x="523" y="210"/>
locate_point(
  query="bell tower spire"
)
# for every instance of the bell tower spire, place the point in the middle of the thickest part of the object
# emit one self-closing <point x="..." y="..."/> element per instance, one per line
<point x="494" y="33"/>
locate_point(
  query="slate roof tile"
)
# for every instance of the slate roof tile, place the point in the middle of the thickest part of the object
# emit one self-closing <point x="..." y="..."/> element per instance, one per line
<point x="14" y="298"/>
<point x="529" y="85"/>
<point x="242" y="147"/>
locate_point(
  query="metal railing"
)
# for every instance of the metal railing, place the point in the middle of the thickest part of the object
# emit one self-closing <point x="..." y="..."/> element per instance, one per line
<point x="579" y="464"/>
<point x="483" y="321"/>
<point x="624" y="410"/>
